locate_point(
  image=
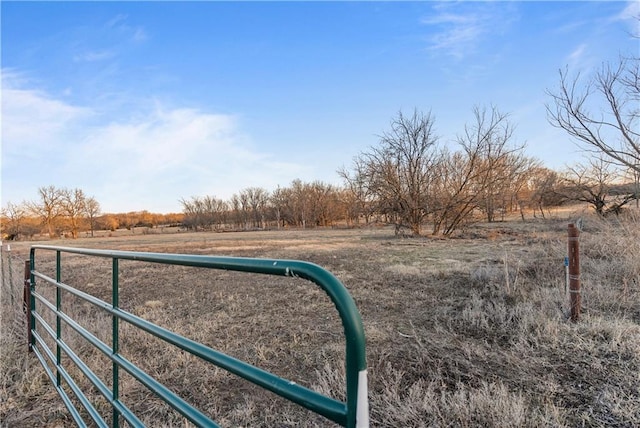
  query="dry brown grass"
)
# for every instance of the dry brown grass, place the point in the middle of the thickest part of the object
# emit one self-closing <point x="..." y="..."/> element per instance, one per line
<point x="470" y="331"/>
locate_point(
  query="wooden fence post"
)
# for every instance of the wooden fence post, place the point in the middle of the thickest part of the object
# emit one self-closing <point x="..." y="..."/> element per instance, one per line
<point x="574" y="272"/>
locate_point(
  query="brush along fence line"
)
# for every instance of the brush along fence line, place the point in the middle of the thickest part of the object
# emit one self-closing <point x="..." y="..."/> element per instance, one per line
<point x="6" y="270"/>
<point x="53" y="352"/>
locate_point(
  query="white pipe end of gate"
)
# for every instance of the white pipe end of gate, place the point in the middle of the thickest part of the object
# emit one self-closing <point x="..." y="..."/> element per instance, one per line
<point x="362" y="406"/>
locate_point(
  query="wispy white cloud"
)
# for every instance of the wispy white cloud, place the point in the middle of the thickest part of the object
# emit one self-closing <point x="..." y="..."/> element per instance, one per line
<point x="631" y="11"/>
<point x="149" y="161"/>
<point x="116" y="20"/>
<point x="459" y="27"/>
<point x="93" y="56"/>
<point x="139" y="35"/>
<point x="168" y="153"/>
<point x="601" y="19"/>
<point x="107" y="42"/>
<point x="450" y="18"/>
<point x="570" y="26"/>
<point x="577" y="54"/>
<point x="119" y="23"/>
<point x="631" y="14"/>
<point x="32" y="120"/>
<point x="583" y="59"/>
<point x="595" y="17"/>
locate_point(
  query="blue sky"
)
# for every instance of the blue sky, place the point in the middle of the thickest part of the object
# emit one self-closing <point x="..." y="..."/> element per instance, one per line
<point x="141" y="104"/>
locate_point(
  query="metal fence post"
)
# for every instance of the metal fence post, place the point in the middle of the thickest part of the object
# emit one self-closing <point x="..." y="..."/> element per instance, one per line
<point x="574" y="271"/>
<point x="10" y="273"/>
<point x="27" y="300"/>
<point x="10" y="270"/>
<point x="2" y="264"/>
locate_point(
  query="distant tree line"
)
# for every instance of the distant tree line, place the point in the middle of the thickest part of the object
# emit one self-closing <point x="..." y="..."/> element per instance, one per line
<point x="303" y="205"/>
<point x="457" y="189"/>
<point x="68" y="212"/>
<point x="413" y="180"/>
<point x="409" y="181"/>
<point x="56" y="209"/>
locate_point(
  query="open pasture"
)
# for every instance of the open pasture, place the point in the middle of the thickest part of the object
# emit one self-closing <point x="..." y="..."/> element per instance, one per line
<point x="469" y="331"/>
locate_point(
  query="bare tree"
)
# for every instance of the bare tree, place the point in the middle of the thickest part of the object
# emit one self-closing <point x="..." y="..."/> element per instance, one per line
<point x="454" y="196"/>
<point x="400" y="170"/>
<point x="92" y="210"/>
<point x="192" y="212"/>
<point x="73" y="207"/>
<point x="359" y="197"/>
<point x="519" y="190"/>
<point x="257" y="198"/>
<point x="613" y="128"/>
<point x="323" y="203"/>
<point x="234" y="204"/>
<point x="204" y="212"/>
<point x="49" y="208"/>
<point x="280" y="201"/>
<point x="213" y="212"/>
<point x="243" y="198"/>
<point x="543" y="184"/>
<point x="485" y="175"/>
<point x="496" y="161"/>
<point x="299" y="200"/>
<point x="13" y="220"/>
<point x="595" y="183"/>
<point x="634" y="176"/>
<point x="239" y="204"/>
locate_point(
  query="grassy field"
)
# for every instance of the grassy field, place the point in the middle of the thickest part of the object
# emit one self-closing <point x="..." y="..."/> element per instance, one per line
<point x="469" y="331"/>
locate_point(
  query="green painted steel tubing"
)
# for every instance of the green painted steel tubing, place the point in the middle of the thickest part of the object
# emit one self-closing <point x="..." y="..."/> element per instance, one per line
<point x="115" y="341"/>
<point x="65" y="375"/>
<point x="32" y="299"/>
<point x="129" y="416"/>
<point x="58" y="309"/>
<point x="351" y="321"/>
<point x="88" y="297"/>
<point x="65" y="398"/>
<point x="328" y="407"/>
<point x="325" y="406"/>
<point x="174" y="400"/>
<point x="188" y="411"/>
<point x="95" y="380"/>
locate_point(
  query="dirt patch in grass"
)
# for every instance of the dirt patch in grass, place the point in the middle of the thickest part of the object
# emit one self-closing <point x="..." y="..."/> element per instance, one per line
<point x="470" y="331"/>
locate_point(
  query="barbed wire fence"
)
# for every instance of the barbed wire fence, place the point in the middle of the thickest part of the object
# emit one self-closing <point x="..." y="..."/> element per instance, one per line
<point x="6" y="268"/>
<point x="11" y="288"/>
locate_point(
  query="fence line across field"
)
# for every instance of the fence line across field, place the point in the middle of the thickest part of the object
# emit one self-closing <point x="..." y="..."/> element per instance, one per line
<point x="8" y="271"/>
<point x="352" y="413"/>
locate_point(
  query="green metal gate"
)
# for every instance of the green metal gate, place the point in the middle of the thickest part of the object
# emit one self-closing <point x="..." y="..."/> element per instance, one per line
<point x="352" y="413"/>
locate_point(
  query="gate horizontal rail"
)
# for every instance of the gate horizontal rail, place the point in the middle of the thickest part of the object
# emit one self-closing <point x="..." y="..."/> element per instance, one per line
<point x="352" y="413"/>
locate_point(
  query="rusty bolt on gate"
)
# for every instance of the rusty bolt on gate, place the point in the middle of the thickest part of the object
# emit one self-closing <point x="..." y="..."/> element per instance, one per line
<point x="574" y="271"/>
